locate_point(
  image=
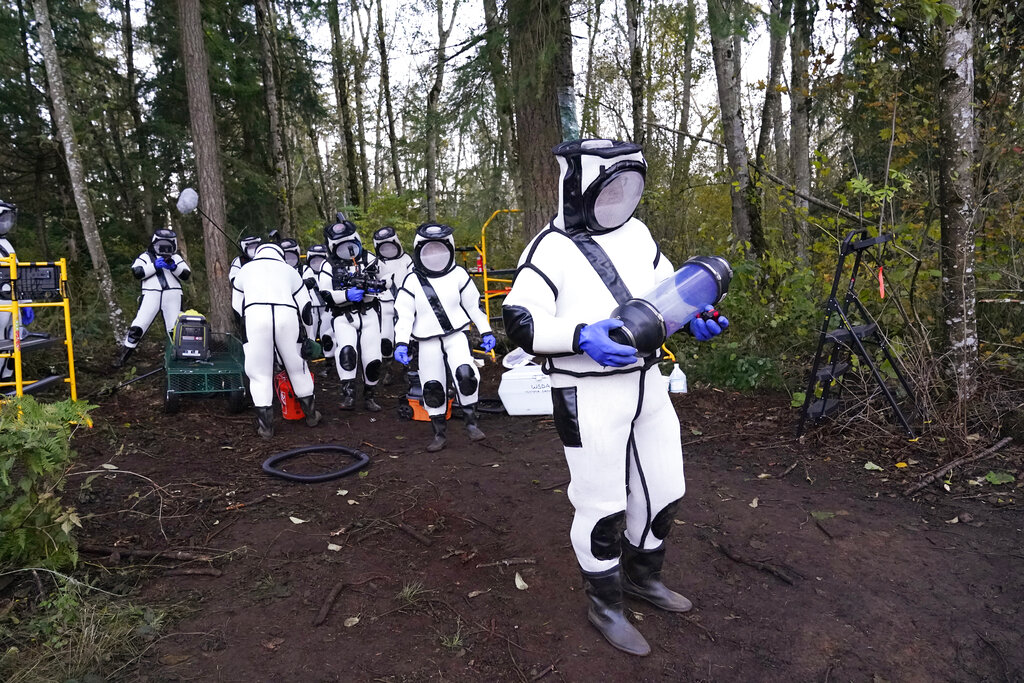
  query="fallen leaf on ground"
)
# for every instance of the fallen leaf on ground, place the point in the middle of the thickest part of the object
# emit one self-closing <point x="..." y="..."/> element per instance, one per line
<point x="476" y="594"/>
<point x="109" y="466"/>
<point x="753" y="503"/>
<point x="520" y="584"/>
<point x="333" y="547"/>
<point x="342" y="492"/>
<point x="820" y="514"/>
<point x="901" y="465"/>
<point x="273" y="643"/>
<point x="872" y="466"/>
<point x="764" y="475"/>
<point x="171" y="660"/>
<point x="296" y="520"/>
<point x="351" y="621"/>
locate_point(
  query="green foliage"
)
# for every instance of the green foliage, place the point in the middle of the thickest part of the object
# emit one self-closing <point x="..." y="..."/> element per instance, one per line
<point x="35" y="527"/>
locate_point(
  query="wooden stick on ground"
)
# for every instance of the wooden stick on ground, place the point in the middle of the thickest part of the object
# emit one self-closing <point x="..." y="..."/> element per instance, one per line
<point x="942" y="471"/>
<point x="325" y="609"/>
<point x="135" y="552"/>
<point x="509" y="562"/>
<point x="194" y="571"/>
<point x="778" y="573"/>
<point x="415" y="534"/>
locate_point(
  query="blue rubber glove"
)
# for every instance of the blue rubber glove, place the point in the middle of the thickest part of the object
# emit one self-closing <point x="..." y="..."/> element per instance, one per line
<point x="172" y="265"/>
<point x="354" y="294"/>
<point x="402" y="354"/>
<point x="160" y="262"/>
<point x="27" y="316"/>
<point x="595" y="342"/>
<point x="488" y="342"/>
<point x="709" y="324"/>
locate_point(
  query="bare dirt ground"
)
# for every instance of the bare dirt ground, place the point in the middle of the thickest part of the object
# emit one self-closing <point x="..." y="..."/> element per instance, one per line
<point x="801" y="564"/>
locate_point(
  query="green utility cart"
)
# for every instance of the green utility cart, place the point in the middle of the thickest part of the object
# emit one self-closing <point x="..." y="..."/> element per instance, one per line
<point x="221" y="374"/>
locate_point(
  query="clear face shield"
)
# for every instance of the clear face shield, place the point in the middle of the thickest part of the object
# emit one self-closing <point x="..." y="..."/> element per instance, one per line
<point x="8" y="217"/>
<point x="165" y="243"/>
<point x="348" y="250"/>
<point x="436" y="256"/>
<point x="612" y="200"/>
<point x="249" y="247"/>
<point x="388" y="250"/>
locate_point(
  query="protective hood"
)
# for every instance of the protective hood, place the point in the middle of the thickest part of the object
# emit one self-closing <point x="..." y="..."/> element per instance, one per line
<point x="386" y="244"/>
<point x="164" y="243"/>
<point x="270" y="251"/>
<point x="315" y="257"/>
<point x="343" y="240"/>
<point x="248" y="245"/>
<point x="8" y="217"/>
<point x="290" y="248"/>
<point x="433" y="249"/>
<point x="600" y="184"/>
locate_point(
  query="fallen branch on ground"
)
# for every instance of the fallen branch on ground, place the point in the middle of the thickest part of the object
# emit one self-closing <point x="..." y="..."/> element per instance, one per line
<point x="325" y="609"/>
<point x="942" y="471"/>
<point x="509" y="562"/>
<point x="415" y="534"/>
<point x="134" y="552"/>
<point x="777" y="572"/>
<point x="194" y="571"/>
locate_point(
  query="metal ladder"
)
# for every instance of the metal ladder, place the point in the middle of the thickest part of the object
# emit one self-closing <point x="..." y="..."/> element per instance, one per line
<point x="837" y="344"/>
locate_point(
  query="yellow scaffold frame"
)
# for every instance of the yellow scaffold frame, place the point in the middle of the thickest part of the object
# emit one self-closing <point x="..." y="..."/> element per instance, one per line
<point x="488" y="292"/>
<point x="13" y="307"/>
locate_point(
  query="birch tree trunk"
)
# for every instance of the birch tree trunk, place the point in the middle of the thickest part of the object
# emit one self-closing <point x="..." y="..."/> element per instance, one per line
<point x="385" y="84"/>
<point x="265" y="29"/>
<point x="65" y="127"/>
<point x="588" y="123"/>
<point x="800" y="111"/>
<point x="725" y="52"/>
<point x="208" y="166"/>
<point x="957" y="199"/>
<point x="684" y="147"/>
<point x="433" y="98"/>
<point x="359" y="69"/>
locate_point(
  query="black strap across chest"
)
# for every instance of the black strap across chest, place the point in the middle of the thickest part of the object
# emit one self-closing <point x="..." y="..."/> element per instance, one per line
<point x="598" y="258"/>
<point x="435" y="304"/>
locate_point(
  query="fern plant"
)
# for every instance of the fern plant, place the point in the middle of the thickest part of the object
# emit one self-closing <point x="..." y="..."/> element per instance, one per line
<point x="35" y="453"/>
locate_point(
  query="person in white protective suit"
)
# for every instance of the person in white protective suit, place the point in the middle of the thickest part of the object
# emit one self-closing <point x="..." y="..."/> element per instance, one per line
<point x="161" y="270"/>
<point x="434" y="306"/>
<point x="273" y="301"/>
<point x="8" y="219"/>
<point x="247" y="246"/>
<point x="612" y="413"/>
<point x="349" y="285"/>
<point x="395" y="264"/>
<point x="320" y="327"/>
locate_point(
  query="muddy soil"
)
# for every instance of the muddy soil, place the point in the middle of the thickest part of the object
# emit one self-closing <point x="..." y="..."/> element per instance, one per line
<point x="801" y="564"/>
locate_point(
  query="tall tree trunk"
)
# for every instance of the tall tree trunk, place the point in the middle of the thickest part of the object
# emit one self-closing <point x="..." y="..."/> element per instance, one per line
<point x="725" y="52"/>
<point x="62" y="112"/>
<point x="778" y="28"/>
<point x="682" y="159"/>
<point x="208" y="166"/>
<point x="634" y="9"/>
<point x="433" y="99"/>
<point x="40" y="153"/>
<point x="265" y="28"/>
<point x="322" y="202"/>
<point x="588" y="125"/>
<point x="385" y="84"/>
<point x="348" y="178"/>
<point x="144" y="176"/>
<point x="538" y="30"/>
<point x="359" y="68"/>
<point x="957" y="199"/>
<point x="502" y="92"/>
<point x="800" y="111"/>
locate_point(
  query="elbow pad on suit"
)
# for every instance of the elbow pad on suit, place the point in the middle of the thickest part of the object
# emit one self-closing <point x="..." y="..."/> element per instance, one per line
<point x="138" y="272"/>
<point x="518" y="326"/>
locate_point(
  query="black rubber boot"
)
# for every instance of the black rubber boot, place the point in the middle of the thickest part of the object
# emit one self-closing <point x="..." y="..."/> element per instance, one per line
<point x="641" y="578"/>
<point x="348" y="394"/>
<point x="440" y="425"/>
<point x="469" y="415"/>
<point x="122" y="357"/>
<point x="368" y="399"/>
<point x="605" y="612"/>
<point x="265" y="421"/>
<point x="308" y="404"/>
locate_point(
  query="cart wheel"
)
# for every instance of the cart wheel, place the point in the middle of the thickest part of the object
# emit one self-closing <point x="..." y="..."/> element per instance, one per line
<point x="171" y="402"/>
<point x="405" y="412"/>
<point x="236" y="400"/>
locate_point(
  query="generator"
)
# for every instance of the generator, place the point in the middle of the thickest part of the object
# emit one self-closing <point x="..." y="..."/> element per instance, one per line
<point x="191" y="339"/>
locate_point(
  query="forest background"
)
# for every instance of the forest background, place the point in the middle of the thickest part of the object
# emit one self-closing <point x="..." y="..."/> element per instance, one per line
<point x="770" y="130"/>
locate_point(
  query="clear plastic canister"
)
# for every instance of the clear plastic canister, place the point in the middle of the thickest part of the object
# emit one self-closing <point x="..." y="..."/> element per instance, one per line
<point x="683" y="296"/>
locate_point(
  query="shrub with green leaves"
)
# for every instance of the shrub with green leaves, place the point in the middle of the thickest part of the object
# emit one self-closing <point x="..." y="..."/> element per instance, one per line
<point x="35" y="452"/>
